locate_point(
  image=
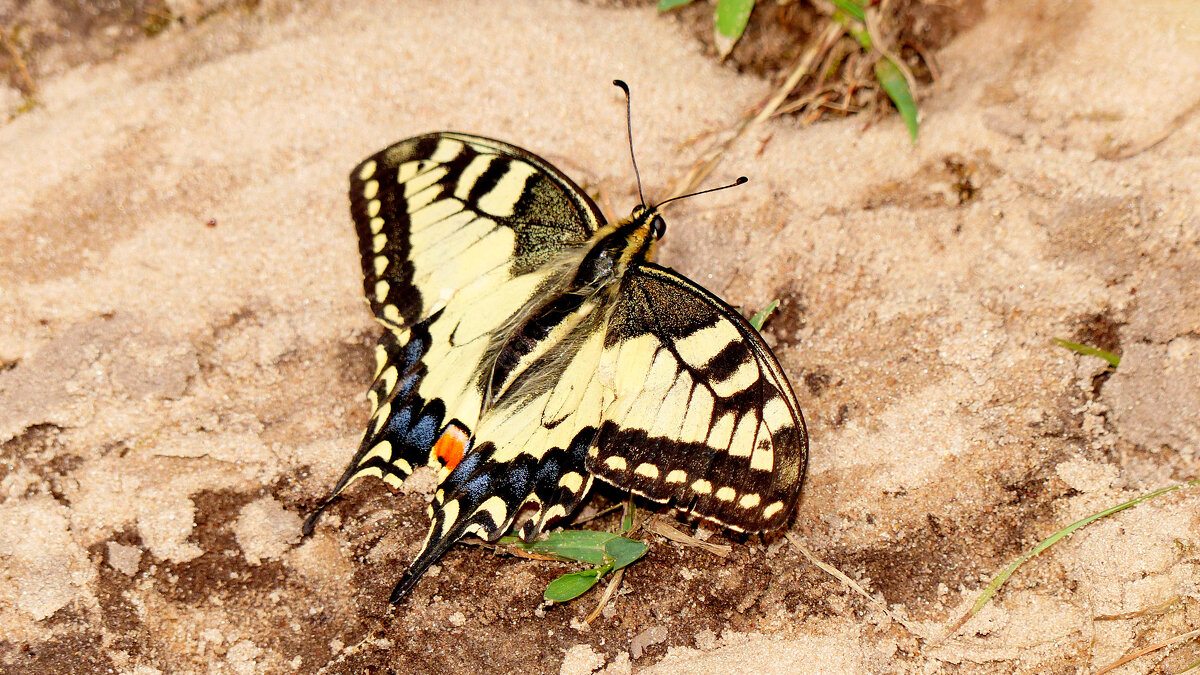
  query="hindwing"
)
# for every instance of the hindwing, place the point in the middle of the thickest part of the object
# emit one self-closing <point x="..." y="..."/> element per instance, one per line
<point x="702" y="413"/>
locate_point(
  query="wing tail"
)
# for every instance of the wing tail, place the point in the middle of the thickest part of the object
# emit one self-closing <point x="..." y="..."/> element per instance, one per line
<point x="436" y="545"/>
<point x="472" y="507"/>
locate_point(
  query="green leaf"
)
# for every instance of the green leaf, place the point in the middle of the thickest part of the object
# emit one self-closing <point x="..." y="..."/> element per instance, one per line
<point x="730" y="22"/>
<point x="665" y="5"/>
<point x="893" y="82"/>
<point x="586" y="546"/>
<point x="848" y="6"/>
<point x="604" y="550"/>
<point x="759" y="319"/>
<point x="1113" y="359"/>
<point x="624" y="551"/>
<point x="571" y="586"/>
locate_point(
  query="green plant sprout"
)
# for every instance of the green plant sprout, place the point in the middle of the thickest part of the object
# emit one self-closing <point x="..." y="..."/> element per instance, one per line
<point x="1113" y="359"/>
<point x="731" y="17"/>
<point x="604" y="551"/>
<point x="759" y="319"/>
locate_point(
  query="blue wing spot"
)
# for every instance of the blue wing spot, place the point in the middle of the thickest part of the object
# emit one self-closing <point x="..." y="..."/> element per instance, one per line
<point x="424" y="432"/>
<point x="399" y="423"/>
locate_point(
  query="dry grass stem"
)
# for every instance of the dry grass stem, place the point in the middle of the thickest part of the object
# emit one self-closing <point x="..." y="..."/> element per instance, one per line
<point x="664" y="529"/>
<point x="882" y="47"/>
<point x="608" y="593"/>
<point x="1146" y="650"/>
<point x="854" y="586"/>
<point x="1131" y="150"/>
<point x="22" y="69"/>
<point x="716" y="151"/>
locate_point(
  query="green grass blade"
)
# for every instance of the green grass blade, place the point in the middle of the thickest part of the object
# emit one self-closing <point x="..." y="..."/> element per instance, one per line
<point x="855" y="25"/>
<point x="893" y="82"/>
<point x="730" y="22"/>
<point x="850" y="7"/>
<point x="759" y="319"/>
<point x="666" y="5"/>
<point x="1055" y="538"/>
<point x="1113" y="359"/>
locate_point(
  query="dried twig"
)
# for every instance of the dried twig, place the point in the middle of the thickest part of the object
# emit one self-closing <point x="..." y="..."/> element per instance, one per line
<point x="1146" y="650"/>
<point x="1137" y="148"/>
<point x="22" y="69"/>
<point x="598" y="514"/>
<point x="759" y="113"/>
<point x="879" y="45"/>
<point x="608" y="593"/>
<point x="854" y="585"/>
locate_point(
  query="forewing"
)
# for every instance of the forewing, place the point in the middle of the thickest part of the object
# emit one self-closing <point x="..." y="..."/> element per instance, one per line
<point x="442" y="213"/>
<point x="703" y="414"/>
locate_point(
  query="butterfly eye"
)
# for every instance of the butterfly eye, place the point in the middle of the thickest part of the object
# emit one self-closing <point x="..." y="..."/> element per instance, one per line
<point x="658" y="226"/>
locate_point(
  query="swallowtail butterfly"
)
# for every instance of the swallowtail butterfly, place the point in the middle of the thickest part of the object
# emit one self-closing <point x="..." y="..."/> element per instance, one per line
<point x="530" y="347"/>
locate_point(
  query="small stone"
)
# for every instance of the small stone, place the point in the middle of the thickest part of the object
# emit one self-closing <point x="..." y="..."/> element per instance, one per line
<point x="619" y="666"/>
<point x="581" y="660"/>
<point x="647" y="638"/>
<point x="243" y="657"/>
<point x="124" y="558"/>
<point x="706" y="640"/>
<point x="265" y="530"/>
<point x="1085" y="475"/>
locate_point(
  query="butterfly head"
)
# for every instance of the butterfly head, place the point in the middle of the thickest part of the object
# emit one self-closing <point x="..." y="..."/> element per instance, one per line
<point x="656" y="226"/>
<point x="650" y="214"/>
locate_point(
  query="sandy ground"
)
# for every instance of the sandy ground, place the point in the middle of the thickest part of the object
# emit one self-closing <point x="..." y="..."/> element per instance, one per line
<point x="184" y="347"/>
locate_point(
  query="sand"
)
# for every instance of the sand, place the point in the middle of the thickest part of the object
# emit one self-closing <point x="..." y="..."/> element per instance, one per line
<point x="184" y="347"/>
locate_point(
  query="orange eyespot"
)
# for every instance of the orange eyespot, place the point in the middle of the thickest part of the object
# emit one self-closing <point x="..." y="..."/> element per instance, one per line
<point x="451" y="446"/>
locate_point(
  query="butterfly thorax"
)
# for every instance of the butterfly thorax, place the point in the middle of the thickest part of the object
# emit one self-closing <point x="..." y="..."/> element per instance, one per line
<point x="618" y="245"/>
<point x="572" y="310"/>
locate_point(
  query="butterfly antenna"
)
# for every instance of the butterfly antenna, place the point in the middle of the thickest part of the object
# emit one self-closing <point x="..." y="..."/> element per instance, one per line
<point x="741" y="180"/>
<point x="629" y="128"/>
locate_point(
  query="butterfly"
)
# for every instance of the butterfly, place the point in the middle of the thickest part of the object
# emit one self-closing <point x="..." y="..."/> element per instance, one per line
<point x="530" y="347"/>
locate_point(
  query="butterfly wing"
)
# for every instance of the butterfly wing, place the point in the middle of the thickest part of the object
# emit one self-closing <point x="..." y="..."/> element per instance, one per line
<point x="458" y="235"/>
<point x="532" y="440"/>
<point x="522" y="386"/>
<point x="703" y="414"/>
